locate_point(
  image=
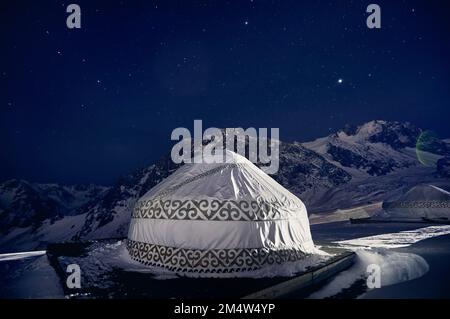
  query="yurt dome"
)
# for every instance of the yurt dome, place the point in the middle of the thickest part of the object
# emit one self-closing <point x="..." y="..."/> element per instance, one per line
<point x="219" y="218"/>
<point x="421" y="201"/>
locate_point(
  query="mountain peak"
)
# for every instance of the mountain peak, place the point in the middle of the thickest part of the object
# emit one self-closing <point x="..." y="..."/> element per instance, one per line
<point x="376" y="147"/>
<point x="393" y="133"/>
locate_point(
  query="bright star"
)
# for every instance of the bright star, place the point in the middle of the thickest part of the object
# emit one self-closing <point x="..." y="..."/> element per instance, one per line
<point x="340" y="81"/>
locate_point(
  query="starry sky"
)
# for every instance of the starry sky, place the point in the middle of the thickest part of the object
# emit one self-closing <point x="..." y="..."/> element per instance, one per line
<point x="88" y="105"/>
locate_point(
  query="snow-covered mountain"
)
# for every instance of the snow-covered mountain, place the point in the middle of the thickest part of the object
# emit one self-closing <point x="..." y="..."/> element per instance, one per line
<point x="355" y="166"/>
<point x="384" y="158"/>
<point x="371" y="148"/>
<point x="109" y="216"/>
<point x="302" y="169"/>
<point x="24" y="204"/>
<point x="376" y="148"/>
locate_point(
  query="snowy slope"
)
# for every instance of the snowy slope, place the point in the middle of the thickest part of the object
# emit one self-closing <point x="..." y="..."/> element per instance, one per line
<point x="24" y="204"/>
<point x="110" y="215"/>
<point x="382" y="160"/>
<point x="376" y="148"/>
<point x="33" y="214"/>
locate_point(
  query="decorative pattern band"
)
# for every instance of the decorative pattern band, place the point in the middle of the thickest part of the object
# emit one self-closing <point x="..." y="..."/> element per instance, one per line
<point x="213" y="209"/>
<point x="209" y="261"/>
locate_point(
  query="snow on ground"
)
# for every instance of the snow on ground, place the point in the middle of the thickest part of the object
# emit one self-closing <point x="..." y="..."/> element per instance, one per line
<point x="103" y="258"/>
<point x="434" y="284"/>
<point x="15" y="256"/>
<point x="118" y="227"/>
<point x="410" y="258"/>
<point x="50" y="232"/>
<point x="396" y="240"/>
<point x="395" y="267"/>
<point x="30" y="277"/>
<point x="382" y="250"/>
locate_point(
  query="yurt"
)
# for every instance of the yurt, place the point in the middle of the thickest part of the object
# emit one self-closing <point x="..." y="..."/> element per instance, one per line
<point x="421" y="201"/>
<point x="221" y="218"/>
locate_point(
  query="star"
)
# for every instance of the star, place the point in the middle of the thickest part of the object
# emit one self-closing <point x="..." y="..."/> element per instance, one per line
<point x="340" y="81"/>
<point x="246" y="22"/>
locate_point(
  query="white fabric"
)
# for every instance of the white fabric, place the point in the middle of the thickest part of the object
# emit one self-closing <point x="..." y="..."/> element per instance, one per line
<point x="200" y="189"/>
<point x="244" y="181"/>
<point x="193" y="234"/>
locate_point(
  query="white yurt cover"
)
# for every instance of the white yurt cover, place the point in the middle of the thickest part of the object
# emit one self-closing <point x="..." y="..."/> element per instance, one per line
<point x="219" y="218"/>
<point x="421" y="201"/>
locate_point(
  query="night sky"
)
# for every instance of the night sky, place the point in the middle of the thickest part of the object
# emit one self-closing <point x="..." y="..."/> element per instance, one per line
<point x="91" y="104"/>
